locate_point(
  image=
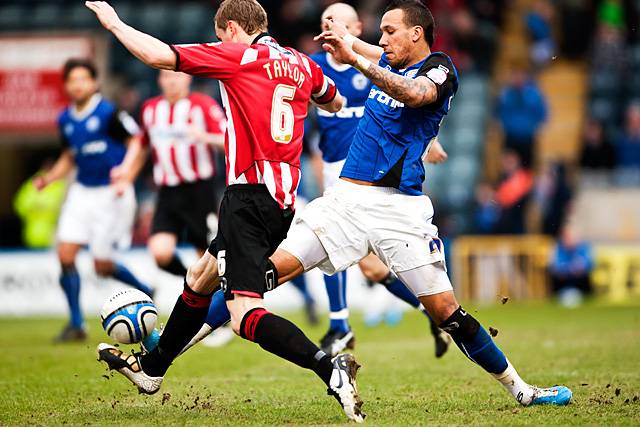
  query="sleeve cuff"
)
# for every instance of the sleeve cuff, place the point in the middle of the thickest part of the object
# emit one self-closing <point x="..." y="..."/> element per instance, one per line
<point x="173" y="48"/>
<point x="328" y="96"/>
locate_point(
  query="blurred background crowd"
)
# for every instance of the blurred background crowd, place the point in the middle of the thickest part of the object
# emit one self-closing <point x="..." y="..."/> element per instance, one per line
<point x="543" y="137"/>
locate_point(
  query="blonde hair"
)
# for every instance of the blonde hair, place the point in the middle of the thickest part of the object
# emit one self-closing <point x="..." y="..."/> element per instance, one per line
<point x="249" y="15"/>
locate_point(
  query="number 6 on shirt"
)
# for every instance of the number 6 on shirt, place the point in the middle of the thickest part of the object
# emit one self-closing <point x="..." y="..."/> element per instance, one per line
<point x="282" y="117"/>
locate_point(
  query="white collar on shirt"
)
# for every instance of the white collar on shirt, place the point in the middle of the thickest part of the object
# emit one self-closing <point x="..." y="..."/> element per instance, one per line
<point x="336" y="65"/>
<point x="88" y="110"/>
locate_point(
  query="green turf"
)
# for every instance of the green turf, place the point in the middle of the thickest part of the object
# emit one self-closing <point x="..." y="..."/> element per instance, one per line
<point x="594" y="350"/>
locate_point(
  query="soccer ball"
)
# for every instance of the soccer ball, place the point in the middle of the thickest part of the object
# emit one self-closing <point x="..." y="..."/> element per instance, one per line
<point x="129" y="316"/>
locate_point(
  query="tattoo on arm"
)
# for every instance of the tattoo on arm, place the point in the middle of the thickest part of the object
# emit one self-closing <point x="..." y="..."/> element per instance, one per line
<point x="412" y="92"/>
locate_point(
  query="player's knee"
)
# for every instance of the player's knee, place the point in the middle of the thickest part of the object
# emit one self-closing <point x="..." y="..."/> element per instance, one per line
<point x="162" y="257"/>
<point x="374" y="269"/>
<point x="376" y="275"/>
<point x="103" y="268"/>
<point x="461" y="325"/>
<point x="236" y="318"/>
<point x="67" y="258"/>
<point x="245" y="315"/>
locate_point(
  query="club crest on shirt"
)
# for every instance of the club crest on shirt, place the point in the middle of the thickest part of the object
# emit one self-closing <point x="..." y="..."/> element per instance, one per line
<point x="93" y="124"/>
<point x="438" y="75"/>
<point x="411" y="73"/>
<point x="68" y="129"/>
<point x="359" y="81"/>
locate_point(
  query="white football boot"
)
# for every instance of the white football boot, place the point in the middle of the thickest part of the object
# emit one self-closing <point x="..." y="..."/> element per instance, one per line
<point x="129" y="366"/>
<point x="343" y="386"/>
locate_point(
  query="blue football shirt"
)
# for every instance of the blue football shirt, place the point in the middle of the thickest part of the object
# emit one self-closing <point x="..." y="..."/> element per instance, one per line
<point x="392" y="138"/>
<point x="96" y="137"/>
<point x="338" y="129"/>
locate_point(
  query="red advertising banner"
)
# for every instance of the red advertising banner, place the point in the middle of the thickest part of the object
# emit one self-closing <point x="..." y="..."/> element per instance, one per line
<point x="31" y="93"/>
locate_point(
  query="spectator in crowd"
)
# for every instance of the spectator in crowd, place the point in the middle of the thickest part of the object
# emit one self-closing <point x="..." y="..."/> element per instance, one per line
<point x="512" y="194"/>
<point x="553" y="194"/>
<point x="571" y="265"/>
<point x="39" y="210"/>
<point x="597" y="152"/>
<point x="628" y="147"/>
<point x="522" y="111"/>
<point x="577" y="18"/>
<point x="538" y="23"/>
<point x="609" y="47"/>
<point x="474" y="44"/>
<point x="487" y="211"/>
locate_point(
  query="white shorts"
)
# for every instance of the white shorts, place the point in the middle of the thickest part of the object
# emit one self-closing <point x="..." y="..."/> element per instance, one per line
<point x="331" y="173"/>
<point x="351" y="221"/>
<point x="95" y="216"/>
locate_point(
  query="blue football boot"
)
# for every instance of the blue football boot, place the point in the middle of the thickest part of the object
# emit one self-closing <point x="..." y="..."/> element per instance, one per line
<point x="557" y="395"/>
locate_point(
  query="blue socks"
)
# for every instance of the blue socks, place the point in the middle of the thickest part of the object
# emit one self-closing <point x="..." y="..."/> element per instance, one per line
<point x="301" y="283"/>
<point x="122" y="274"/>
<point x="482" y="350"/>
<point x="475" y="342"/>
<point x="70" y="282"/>
<point x="218" y="313"/>
<point x="397" y="288"/>
<point x="337" y="292"/>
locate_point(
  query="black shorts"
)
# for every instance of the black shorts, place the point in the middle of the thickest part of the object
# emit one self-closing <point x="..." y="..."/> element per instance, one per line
<point x="250" y="228"/>
<point x="183" y="210"/>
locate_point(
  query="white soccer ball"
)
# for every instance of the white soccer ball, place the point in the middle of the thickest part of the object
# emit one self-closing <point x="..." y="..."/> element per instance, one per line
<point x="129" y="316"/>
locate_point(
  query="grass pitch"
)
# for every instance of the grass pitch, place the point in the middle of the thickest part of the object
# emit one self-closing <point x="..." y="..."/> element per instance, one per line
<point x="595" y="350"/>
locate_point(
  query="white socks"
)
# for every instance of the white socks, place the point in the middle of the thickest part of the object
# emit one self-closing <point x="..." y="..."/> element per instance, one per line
<point x="204" y="331"/>
<point x="515" y="385"/>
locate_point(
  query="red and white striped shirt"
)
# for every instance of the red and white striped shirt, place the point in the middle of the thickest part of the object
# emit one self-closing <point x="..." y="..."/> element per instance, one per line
<point x="167" y="128"/>
<point x="265" y="90"/>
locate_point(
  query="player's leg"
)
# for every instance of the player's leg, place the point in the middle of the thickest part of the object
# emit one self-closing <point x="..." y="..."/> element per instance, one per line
<point x="118" y="271"/>
<point x="277" y="335"/>
<point x="376" y="271"/>
<point x="162" y="246"/>
<point x="70" y="283"/>
<point x="187" y="316"/>
<point x="165" y="228"/>
<point x="431" y="284"/>
<point x="73" y="232"/>
<point x="112" y="218"/>
<point x="339" y="336"/>
<point x="215" y="331"/>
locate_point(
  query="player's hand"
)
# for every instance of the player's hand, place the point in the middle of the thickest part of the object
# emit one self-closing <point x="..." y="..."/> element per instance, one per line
<point x="338" y="27"/>
<point x="436" y="153"/>
<point x="119" y="180"/>
<point x="40" y="182"/>
<point x="105" y="13"/>
<point x="337" y="47"/>
<point x="117" y="173"/>
<point x="120" y="186"/>
<point x="197" y="135"/>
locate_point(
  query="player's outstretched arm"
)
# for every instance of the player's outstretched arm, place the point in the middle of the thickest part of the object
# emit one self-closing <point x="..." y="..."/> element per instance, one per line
<point x="412" y="92"/>
<point x="146" y="48"/>
<point x="372" y="52"/>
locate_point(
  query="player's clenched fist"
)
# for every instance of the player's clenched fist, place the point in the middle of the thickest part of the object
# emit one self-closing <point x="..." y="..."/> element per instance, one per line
<point x="105" y="13"/>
